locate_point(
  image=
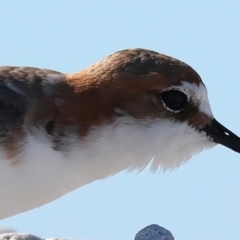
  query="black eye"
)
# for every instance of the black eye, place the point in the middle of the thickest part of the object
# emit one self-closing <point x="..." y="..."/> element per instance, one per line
<point x="174" y="100"/>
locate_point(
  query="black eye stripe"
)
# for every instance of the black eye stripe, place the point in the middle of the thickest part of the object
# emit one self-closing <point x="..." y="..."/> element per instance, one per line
<point x="174" y="100"/>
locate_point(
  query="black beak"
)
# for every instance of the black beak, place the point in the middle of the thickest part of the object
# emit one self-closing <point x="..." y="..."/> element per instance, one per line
<point x="219" y="134"/>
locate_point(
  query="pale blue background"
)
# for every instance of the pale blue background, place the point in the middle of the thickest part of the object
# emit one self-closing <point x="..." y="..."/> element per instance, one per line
<point x="201" y="200"/>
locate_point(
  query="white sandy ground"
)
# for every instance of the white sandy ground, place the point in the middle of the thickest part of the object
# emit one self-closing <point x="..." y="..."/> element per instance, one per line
<point x="151" y="232"/>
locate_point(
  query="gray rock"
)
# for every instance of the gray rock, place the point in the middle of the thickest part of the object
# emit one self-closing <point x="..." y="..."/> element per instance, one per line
<point x="18" y="236"/>
<point x="151" y="232"/>
<point x="154" y="232"/>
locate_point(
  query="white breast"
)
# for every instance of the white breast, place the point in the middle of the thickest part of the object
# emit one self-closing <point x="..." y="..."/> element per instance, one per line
<point x="40" y="175"/>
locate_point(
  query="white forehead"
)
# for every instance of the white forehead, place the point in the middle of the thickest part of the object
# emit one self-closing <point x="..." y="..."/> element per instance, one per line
<point x="198" y="93"/>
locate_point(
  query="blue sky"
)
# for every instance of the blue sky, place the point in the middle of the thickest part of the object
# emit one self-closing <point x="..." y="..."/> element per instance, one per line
<point x="200" y="200"/>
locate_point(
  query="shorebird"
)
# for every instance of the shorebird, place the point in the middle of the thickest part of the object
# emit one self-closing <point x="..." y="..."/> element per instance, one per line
<point x="59" y="132"/>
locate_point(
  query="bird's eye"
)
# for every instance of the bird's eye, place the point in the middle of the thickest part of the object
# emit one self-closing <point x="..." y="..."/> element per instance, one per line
<point x="173" y="100"/>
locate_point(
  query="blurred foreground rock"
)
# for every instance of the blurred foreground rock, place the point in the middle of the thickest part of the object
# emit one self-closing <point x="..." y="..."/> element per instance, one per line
<point x="151" y="232"/>
<point x="154" y="232"/>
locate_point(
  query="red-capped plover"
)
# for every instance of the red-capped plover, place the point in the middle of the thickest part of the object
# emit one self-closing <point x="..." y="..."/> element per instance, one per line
<point x="61" y="131"/>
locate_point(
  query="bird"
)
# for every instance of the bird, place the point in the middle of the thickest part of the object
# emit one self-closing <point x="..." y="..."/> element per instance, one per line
<point x="134" y="108"/>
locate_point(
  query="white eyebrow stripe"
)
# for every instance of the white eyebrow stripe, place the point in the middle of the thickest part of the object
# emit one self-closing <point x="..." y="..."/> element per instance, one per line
<point x="199" y="94"/>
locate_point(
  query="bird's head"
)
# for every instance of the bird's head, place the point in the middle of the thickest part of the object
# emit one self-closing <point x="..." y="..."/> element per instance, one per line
<point x="155" y="105"/>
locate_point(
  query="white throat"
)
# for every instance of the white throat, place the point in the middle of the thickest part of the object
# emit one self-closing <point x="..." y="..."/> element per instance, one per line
<point x="128" y="144"/>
